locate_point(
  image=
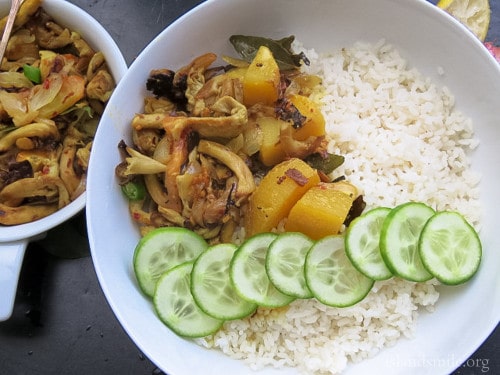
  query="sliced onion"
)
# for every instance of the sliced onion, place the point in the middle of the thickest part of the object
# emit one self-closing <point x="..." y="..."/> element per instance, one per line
<point x="45" y="93"/>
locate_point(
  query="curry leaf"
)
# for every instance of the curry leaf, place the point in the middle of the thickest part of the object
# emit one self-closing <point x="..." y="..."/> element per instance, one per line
<point x="246" y="46"/>
<point x="325" y="163"/>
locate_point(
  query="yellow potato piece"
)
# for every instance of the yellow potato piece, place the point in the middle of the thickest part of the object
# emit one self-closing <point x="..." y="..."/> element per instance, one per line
<point x="321" y="211"/>
<point x="314" y="125"/>
<point x="262" y="79"/>
<point x="277" y="193"/>
<point x="271" y="151"/>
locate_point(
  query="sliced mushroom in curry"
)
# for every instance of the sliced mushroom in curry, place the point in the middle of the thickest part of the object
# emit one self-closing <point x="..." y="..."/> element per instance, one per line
<point x="53" y="90"/>
<point x="200" y="146"/>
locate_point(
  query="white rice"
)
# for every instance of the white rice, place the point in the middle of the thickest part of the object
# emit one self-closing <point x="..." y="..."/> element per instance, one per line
<point x="403" y="141"/>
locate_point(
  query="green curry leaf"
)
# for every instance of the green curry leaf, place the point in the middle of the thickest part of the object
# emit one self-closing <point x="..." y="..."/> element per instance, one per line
<point x="325" y="163"/>
<point x="246" y="46"/>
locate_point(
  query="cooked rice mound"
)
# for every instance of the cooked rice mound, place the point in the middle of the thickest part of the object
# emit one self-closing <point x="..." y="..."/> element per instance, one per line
<point x="403" y="141"/>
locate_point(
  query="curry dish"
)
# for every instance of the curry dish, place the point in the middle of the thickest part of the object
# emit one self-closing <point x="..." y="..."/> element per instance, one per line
<point x="53" y="89"/>
<point x="209" y="135"/>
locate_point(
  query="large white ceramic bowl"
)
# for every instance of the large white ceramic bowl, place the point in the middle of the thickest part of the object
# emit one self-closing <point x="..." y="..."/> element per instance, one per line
<point x="14" y="239"/>
<point x="429" y="39"/>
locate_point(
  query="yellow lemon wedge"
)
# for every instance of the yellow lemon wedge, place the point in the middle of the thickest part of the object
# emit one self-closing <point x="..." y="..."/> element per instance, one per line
<point x="474" y="14"/>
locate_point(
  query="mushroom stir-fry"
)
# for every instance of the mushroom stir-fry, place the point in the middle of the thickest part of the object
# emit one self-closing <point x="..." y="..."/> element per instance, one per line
<point x="53" y="88"/>
<point x="208" y="134"/>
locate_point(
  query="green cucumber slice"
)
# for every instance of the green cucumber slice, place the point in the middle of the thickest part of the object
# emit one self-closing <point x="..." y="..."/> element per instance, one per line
<point x="176" y="308"/>
<point x="399" y="240"/>
<point x="285" y="264"/>
<point x="362" y="240"/>
<point x="331" y="276"/>
<point x="248" y="273"/>
<point x="211" y="285"/>
<point x="160" y="250"/>
<point x="450" y="248"/>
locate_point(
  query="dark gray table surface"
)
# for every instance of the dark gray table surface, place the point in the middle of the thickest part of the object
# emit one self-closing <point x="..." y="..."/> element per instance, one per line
<point x="61" y="322"/>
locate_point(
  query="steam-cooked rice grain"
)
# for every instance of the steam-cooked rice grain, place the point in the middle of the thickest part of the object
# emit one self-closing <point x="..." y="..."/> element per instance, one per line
<point x="403" y="141"/>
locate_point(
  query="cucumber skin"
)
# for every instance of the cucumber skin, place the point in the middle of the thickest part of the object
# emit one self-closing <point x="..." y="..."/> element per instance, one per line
<point x="325" y="292"/>
<point x="386" y="243"/>
<point x="273" y="299"/>
<point x="143" y="275"/>
<point x="201" y="295"/>
<point x="208" y="325"/>
<point x="433" y="267"/>
<point x="386" y="273"/>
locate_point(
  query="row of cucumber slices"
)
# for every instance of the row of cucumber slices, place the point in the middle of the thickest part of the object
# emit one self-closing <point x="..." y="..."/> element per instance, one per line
<point x="196" y="287"/>
<point x="414" y="242"/>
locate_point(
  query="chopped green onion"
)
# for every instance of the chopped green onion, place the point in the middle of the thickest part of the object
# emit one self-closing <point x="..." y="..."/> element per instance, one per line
<point x="134" y="191"/>
<point x="32" y="73"/>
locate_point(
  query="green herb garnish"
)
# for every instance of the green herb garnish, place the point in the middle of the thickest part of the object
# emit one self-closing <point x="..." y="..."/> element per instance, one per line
<point x="32" y="73"/>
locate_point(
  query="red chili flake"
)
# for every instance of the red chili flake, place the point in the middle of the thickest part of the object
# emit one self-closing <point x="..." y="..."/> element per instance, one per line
<point x="136" y="215"/>
<point x="297" y="176"/>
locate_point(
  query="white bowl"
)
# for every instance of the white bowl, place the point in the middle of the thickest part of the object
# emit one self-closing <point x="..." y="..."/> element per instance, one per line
<point x="425" y="36"/>
<point x="14" y="239"/>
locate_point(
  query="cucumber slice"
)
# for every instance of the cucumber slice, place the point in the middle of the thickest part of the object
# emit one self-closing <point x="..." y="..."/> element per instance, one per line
<point x="160" y="250"/>
<point x="249" y="276"/>
<point x="362" y="244"/>
<point x="450" y="248"/>
<point x="399" y="240"/>
<point x="176" y="307"/>
<point x="211" y="285"/>
<point x="331" y="276"/>
<point x="285" y="264"/>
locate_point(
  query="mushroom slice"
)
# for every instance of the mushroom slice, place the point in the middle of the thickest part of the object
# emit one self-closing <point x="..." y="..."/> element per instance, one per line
<point x="156" y="190"/>
<point x="100" y="82"/>
<point x="14" y="80"/>
<point x="39" y="186"/>
<point x="97" y="63"/>
<point x="139" y="214"/>
<point x="228" y="119"/>
<point x="217" y="87"/>
<point x="24" y="214"/>
<point x="67" y="160"/>
<point x="49" y="34"/>
<point x="147" y="140"/>
<point x="138" y="163"/>
<point x="37" y="129"/>
<point x="172" y="216"/>
<point x="22" y="44"/>
<point x="101" y="86"/>
<point x="246" y="183"/>
<point x="194" y="74"/>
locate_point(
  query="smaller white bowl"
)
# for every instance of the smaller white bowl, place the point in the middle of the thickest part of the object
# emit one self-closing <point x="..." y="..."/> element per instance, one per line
<point x="14" y="239"/>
